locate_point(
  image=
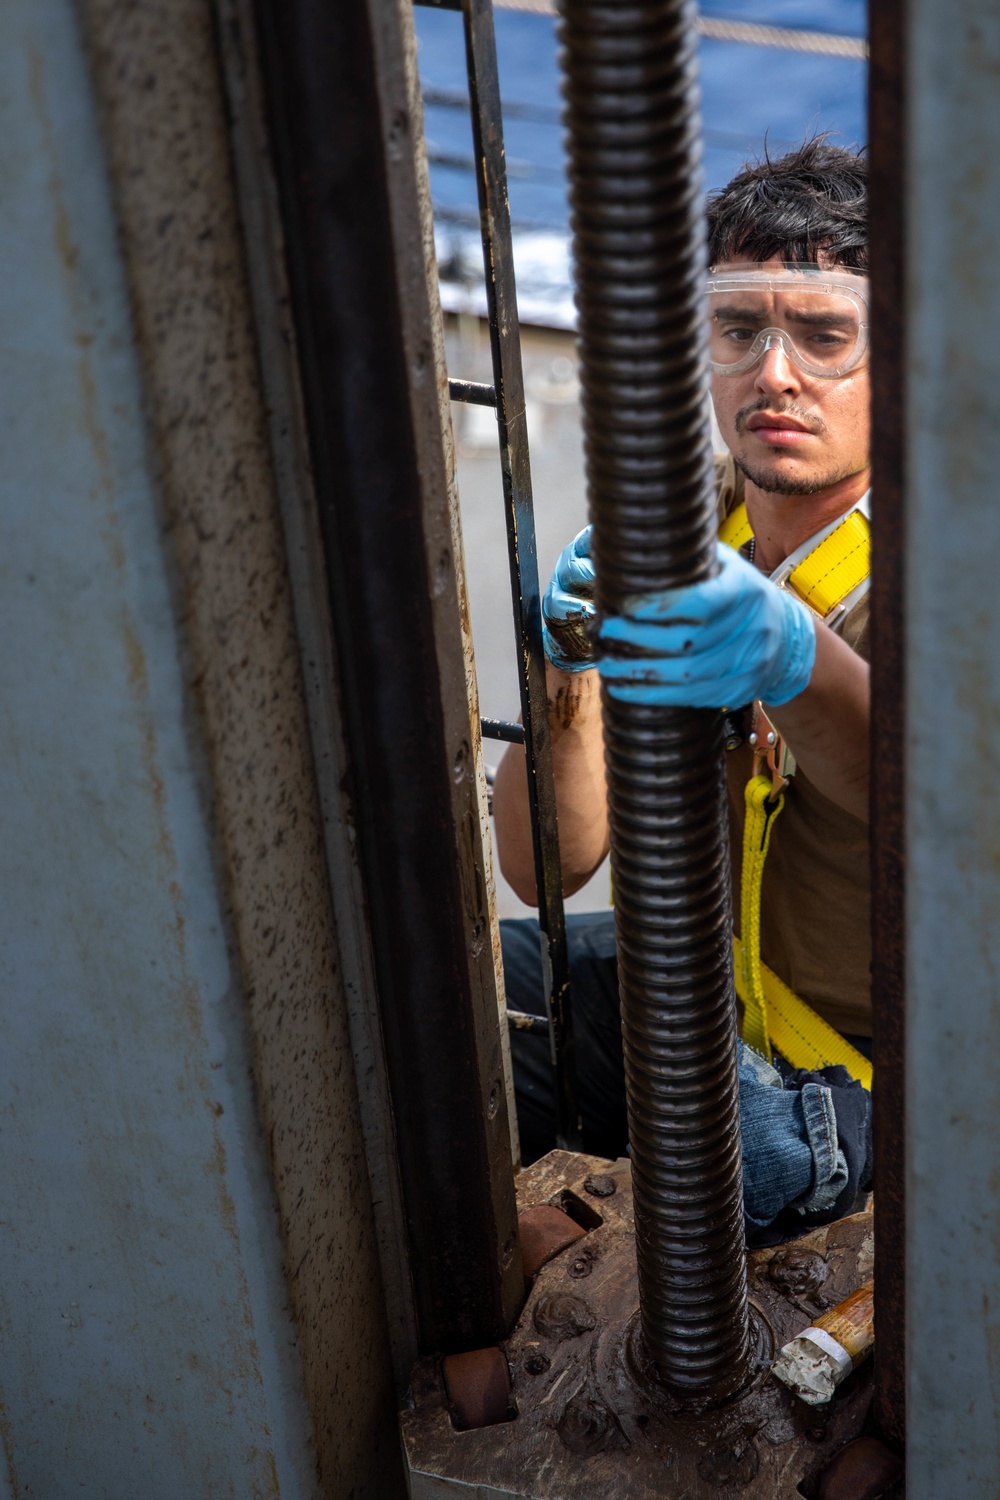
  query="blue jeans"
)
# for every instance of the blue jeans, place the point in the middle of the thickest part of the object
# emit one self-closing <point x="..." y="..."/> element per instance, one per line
<point x="799" y="1164"/>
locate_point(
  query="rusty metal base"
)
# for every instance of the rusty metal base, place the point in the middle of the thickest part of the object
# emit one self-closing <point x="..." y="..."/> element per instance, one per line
<point x="591" y="1421"/>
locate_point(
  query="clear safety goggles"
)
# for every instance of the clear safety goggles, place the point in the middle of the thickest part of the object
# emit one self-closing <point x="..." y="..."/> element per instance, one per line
<point x="817" y="317"/>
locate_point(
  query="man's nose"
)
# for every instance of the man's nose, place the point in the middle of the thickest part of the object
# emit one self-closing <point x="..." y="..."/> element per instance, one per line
<point x="775" y="373"/>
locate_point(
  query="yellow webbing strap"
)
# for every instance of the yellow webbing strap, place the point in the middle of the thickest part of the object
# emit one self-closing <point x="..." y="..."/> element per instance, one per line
<point x="760" y="815"/>
<point x="828" y="573"/>
<point x="772" y="1013"/>
<point x="799" y="1034"/>
<point x="736" y="529"/>
<point x="831" y="570"/>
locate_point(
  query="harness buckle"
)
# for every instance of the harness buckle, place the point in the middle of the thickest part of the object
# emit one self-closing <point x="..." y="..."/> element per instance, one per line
<point x="831" y="619"/>
<point x="769" y="748"/>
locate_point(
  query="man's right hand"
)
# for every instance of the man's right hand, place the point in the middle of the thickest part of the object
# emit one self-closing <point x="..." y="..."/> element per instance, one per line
<point x="574" y="702"/>
<point x="568" y="608"/>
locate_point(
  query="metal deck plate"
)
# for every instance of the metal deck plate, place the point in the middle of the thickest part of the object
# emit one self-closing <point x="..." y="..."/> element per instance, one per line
<point x="590" y="1420"/>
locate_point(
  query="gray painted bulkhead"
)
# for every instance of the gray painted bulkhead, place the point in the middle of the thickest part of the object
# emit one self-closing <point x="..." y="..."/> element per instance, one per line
<point x="191" y="1300"/>
<point x="952" y="547"/>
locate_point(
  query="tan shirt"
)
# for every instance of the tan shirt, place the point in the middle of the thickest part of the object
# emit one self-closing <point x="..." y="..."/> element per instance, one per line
<point x="815" y="903"/>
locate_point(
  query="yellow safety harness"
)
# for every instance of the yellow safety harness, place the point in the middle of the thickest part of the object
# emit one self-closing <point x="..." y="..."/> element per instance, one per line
<point x="829" y="577"/>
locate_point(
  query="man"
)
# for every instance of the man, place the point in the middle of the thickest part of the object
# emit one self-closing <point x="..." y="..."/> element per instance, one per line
<point x="791" y="392"/>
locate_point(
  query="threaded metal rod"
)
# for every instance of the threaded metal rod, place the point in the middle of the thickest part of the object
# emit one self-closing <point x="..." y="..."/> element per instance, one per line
<point x="639" y="245"/>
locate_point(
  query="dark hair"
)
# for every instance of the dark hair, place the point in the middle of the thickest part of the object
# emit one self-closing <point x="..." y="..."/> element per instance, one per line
<point x="814" y="199"/>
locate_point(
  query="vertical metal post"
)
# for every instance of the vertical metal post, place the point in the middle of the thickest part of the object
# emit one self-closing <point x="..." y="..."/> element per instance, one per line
<point x="501" y="297"/>
<point x="639" y="247"/>
<point x="888" y="279"/>
<point x="381" y="492"/>
<point x="951" y="535"/>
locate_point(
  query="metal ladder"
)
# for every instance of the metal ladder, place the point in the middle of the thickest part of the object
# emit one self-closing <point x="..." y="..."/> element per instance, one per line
<point x="506" y="397"/>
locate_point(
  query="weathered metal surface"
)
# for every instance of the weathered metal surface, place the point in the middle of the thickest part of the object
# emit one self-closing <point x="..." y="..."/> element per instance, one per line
<point x="148" y="1345"/>
<point x="410" y="197"/>
<point x="515" y="468"/>
<point x="376" y="406"/>
<point x="865" y="1470"/>
<point x="593" y="1423"/>
<point x="477" y="1385"/>
<point x="633" y="127"/>
<point x="544" y="1231"/>
<point x="158" y="79"/>
<point x="887" y="126"/>
<point x="500" y="729"/>
<point x="278" y="351"/>
<point x="951" y="529"/>
<point x="422" y="330"/>
<point x="472" y="391"/>
<point x="520" y="1020"/>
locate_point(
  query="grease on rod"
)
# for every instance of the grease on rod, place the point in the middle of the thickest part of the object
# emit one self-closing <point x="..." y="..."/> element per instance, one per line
<point x="639" y="247"/>
<point x="815" y="1362"/>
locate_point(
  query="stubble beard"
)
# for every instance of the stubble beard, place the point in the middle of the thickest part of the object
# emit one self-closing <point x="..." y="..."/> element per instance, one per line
<point x="785" y="484"/>
<point x="776" y="483"/>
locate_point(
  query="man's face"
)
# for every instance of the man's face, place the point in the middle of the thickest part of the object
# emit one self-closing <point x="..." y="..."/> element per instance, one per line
<point x="821" y="427"/>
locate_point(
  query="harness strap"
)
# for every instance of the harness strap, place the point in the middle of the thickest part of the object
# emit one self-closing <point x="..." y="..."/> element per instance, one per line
<point x="736" y="530"/>
<point x="761" y="811"/>
<point x="828" y="572"/>
<point x="824" y="576"/>
<point x="833" y="569"/>
<point x="798" y="1033"/>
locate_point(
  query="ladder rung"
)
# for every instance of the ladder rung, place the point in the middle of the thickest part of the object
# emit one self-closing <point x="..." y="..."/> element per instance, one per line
<point x="473" y="392"/>
<point x="499" y="729"/>
<point x="520" y="1020"/>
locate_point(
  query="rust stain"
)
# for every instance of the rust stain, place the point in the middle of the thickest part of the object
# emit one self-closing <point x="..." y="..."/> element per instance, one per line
<point x="7" y="1443"/>
<point x="244" y="1354"/>
<point x="136" y="666"/>
<point x="272" y="1486"/>
<point x="992" y="1332"/>
<point x="194" y="329"/>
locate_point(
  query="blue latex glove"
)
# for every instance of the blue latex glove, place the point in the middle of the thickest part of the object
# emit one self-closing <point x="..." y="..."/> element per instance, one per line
<point x="568" y="608"/>
<point x="715" y="644"/>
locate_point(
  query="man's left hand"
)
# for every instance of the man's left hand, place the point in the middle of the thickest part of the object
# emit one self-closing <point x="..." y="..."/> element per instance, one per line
<point x="716" y="644"/>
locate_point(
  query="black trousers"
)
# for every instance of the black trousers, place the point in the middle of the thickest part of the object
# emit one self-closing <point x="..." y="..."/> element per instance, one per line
<point x="599" y="1064"/>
